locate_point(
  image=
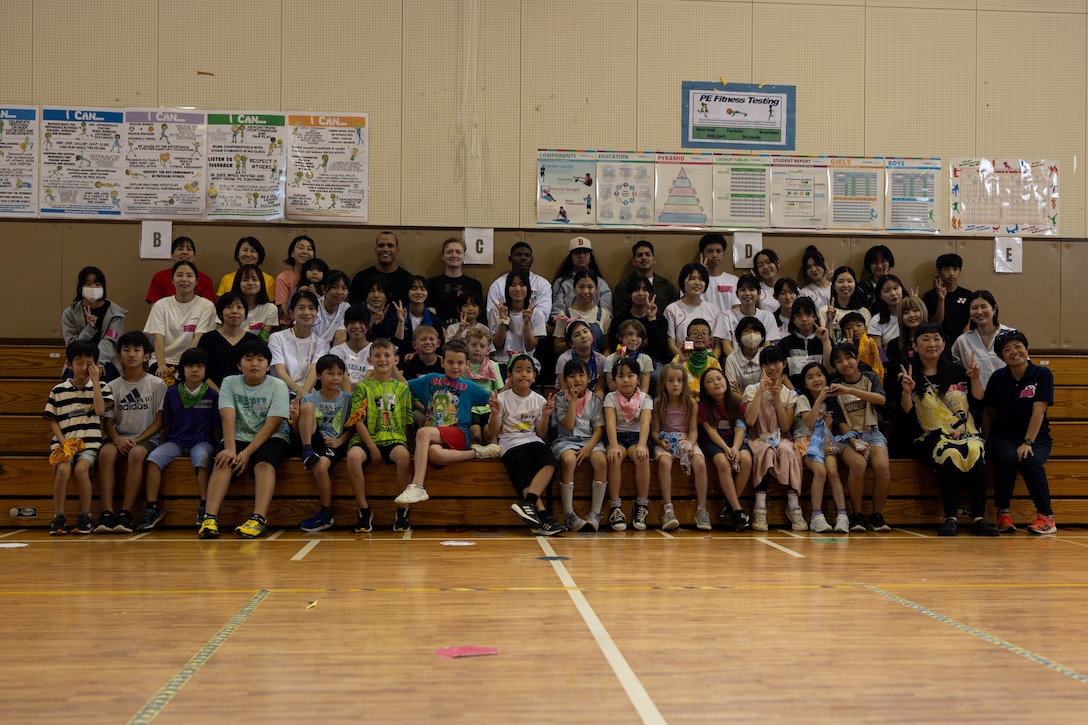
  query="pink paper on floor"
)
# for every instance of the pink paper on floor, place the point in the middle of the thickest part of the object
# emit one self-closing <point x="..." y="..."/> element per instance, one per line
<point x="465" y="651"/>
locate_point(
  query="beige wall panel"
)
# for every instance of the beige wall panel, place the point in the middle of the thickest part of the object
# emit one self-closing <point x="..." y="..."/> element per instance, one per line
<point x="856" y="3"/>
<point x="924" y="4"/>
<point x="343" y="55"/>
<point x="100" y="54"/>
<point x="1074" y="299"/>
<point x="576" y="92"/>
<point x="1036" y="6"/>
<point x="460" y="149"/>
<point x="723" y="51"/>
<point x="36" y="285"/>
<point x="1052" y="84"/>
<point x="17" y="38"/>
<point x="821" y="50"/>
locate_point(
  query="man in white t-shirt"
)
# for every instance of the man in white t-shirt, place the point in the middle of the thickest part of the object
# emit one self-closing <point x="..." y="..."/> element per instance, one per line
<point x="721" y="290"/>
<point x="521" y="256"/>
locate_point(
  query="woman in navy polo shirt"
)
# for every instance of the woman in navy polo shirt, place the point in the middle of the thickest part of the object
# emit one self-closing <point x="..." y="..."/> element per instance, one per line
<point x="1017" y="432"/>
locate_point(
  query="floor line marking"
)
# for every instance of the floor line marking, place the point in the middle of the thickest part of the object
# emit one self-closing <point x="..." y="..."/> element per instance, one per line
<point x="794" y="534"/>
<point x="163" y="697"/>
<point x="636" y="693"/>
<point x="664" y="533"/>
<point x="276" y="535"/>
<point x="915" y="533"/>
<point x="984" y="636"/>
<point x="305" y="550"/>
<point x="408" y="535"/>
<point x="1074" y="543"/>
<point x="139" y="536"/>
<point x="12" y="533"/>
<point x="768" y="542"/>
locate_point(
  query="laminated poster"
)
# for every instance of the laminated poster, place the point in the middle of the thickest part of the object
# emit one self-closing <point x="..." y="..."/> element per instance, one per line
<point x="164" y="163"/>
<point x="82" y="162"/>
<point x="18" y="161"/>
<point x="327" y="167"/>
<point x="246" y="158"/>
<point x="564" y="188"/>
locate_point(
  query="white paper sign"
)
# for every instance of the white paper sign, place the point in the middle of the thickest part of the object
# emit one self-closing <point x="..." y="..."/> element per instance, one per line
<point x="1008" y="255"/>
<point x="479" y="245"/>
<point x="155" y="240"/>
<point x="746" y="245"/>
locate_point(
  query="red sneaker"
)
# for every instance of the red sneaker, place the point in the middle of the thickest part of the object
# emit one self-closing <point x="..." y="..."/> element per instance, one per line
<point x="1043" y="525"/>
<point x="1005" y="524"/>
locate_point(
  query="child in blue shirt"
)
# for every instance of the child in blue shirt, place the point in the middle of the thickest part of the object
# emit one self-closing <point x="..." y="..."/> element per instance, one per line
<point x="322" y="425"/>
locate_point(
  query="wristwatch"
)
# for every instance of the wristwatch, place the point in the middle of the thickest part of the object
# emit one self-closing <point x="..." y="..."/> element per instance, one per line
<point x="1029" y="442"/>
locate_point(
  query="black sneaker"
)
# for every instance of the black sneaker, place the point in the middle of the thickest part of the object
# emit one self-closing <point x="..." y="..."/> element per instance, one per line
<point x="364" y="524"/>
<point x="740" y="520"/>
<point x="124" y="523"/>
<point x="152" y="518"/>
<point x="59" y="526"/>
<point x="106" y="522"/>
<point x="857" y="522"/>
<point x="550" y="526"/>
<point x="617" y="520"/>
<point x="527" y="512"/>
<point x="982" y="528"/>
<point x="726" y="512"/>
<point x="84" y="526"/>
<point x="638" y="516"/>
<point x="200" y="513"/>
<point x="401" y="523"/>
<point x="949" y="528"/>
<point x="309" y="460"/>
<point x="876" y="521"/>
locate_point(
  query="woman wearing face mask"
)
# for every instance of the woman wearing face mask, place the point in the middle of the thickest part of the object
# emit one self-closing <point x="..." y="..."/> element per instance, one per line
<point x="93" y="317"/>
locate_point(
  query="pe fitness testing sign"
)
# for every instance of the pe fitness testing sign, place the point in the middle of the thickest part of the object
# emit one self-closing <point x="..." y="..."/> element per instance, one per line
<point x="738" y="115"/>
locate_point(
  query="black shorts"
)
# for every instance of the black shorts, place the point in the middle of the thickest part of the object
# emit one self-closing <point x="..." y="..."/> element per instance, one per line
<point x="385" y="451"/>
<point x="481" y="419"/>
<point x="317" y="443"/>
<point x="273" y="451"/>
<point x="525" y="461"/>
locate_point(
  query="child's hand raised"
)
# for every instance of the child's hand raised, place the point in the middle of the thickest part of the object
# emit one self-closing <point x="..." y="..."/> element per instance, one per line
<point x="527" y="313"/>
<point x="549" y="405"/>
<point x="822" y="333"/>
<point x="94" y="372"/>
<point x="493" y="403"/>
<point x="402" y="311"/>
<point x="651" y="308"/>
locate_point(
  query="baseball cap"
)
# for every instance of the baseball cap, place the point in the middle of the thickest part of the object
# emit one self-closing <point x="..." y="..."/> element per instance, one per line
<point x="579" y="243"/>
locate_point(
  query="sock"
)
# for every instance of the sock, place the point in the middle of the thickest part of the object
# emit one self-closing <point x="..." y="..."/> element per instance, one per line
<point x="153" y="505"/>
<point x="1002" y="511"/>
<point x="669" y="507"/>
<point x="566" y="491"/>
<point x="598" y="496"/>
<point x="840" y="512"/>
<point x="532" y="498"/>
<point x="642" y="501"/>
<point x="615" y="504"/>
<point x="791" y="500"/>
<point x="817" y="514"/>
<point x="761" y="500"/>
<point x="326" y="510"/>
<point x="307" y="450"/>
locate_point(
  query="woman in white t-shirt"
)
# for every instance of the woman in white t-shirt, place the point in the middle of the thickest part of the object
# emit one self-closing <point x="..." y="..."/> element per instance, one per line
<point x="816" y="274"/>
<point x="176" y="323"/>
<point x="690" y="306"/>
<point x="884" y="327"/>
<point x="295" y="350"/>
<point x="331" y="308"/>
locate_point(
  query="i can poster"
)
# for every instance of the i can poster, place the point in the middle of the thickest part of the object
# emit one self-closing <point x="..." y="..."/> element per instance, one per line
<point x="246" y="157"/>
<point x="327" y="166"/>
<point x="82" y="162"/>
<point x="164" y="163"/>
<point x="18" y="161"/>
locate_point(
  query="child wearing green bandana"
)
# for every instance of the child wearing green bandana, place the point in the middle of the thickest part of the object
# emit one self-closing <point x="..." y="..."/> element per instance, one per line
<point x="696" y="356"/>
<point x="190" y="427"/>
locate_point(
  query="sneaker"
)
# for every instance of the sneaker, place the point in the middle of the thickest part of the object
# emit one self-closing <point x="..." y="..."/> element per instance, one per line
<point x="741" y="520"/>
<point x="638" y="516"/>
<point x="59" y="526"/>
<point x="797" y="519"/>
<point x="842" y="524"/>
<point x="759" y="520"/>
<point x="124" y="523"/>
<point x="200" y="513"/>
<point x="819" y="524"/>
<point x="491" y="451"/>
<point x="151" y="519"/>
<point x="669" y="520"/>
<point x="573" y="521"/>
<point x="84" y="525"/>
<point x="982" y="528"/>
<point x="412" y="494"/>
<point x="317" y="522"/>
<point x="1042" y="525"/>
<point x="309" y="460"/>
<point x="527" y="512"/>
<point x="549" y="527"/>
<point x="401" y="522"/>
<point x="478" y="448"/>
<point x="950" y="527"/>
<point x="726" y="511"/>
<point x="593" y="520"/>
<point x="254" y="527"/>
<point x="702" y="520"/>
<point x="106" y="522"/>
<point x="877" y="522"/>
<point x="364" y="521"/>
<point x="617" y="520"/>
<point x="1005" y="524"/>
<point x="857" y="522"/>
<point x="209" y="528"/>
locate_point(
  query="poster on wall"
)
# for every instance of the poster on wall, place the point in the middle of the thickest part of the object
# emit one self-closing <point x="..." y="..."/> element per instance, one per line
<point x="684" y="194"/>
<point x="81" y="158"/>
<point x="857" y="193"/>
<point x="625" y="188"/>
<point x="327" y="166"/>
<point x="1003" y="197"/>
<point x="738" y="116"/>
<point x="741" y="187"/>
<point x="18" y="161"/>
<point x="564" y="187"/>
<point x="910" y="204"/>
<point x="164" y="163"/>
<point x="799" y="192"/>
<point x="246" y="155"/>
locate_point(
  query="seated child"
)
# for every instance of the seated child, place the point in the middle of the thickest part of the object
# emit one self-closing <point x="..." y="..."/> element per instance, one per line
<point x="674" y="429"/>
<point x="381" y="405"/>
<point x="631" y="334"/>
<point x="254" y="408"/>
<point x="190" y="422"/>
<point x="469" y="309"/>
<point x="853" y="328"/>
<point x="444" y="438"/>
<point x="695" y="354"/>
<point x="132" y="429"/>
<point x="721" y="437"/>
<point x="742" y="366"/>
<point x="426" y="360"/>
<point x="74" y="410"/>
<point x="355" y="352"/>
<point x="483" y="371"/>
<point x="579" y="416"/>
<point x="519" y="418"/>
<point x="580" y="341"/>
<point x="816" y="445"/>
<point x="627" y="414"/>
<point x="322" y="426"/>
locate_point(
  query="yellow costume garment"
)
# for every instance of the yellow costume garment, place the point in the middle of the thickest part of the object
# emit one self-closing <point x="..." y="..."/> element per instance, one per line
<point x="948" y="428"/>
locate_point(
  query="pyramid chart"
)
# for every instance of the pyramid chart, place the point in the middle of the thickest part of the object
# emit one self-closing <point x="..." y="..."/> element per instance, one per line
<point x="682" y="205"/>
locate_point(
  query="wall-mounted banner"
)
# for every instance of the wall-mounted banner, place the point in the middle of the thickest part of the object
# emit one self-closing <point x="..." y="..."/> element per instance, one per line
<point x="1003" y="196"/>
<point x="164" y="163"/>
<point x="82" y="161"/>
<point x="564" y="187"/>
<point x="738" y="116"/>
<point x="327" y="166"/>
<point x="18" y="161"/>
<point x="246" y="156"/>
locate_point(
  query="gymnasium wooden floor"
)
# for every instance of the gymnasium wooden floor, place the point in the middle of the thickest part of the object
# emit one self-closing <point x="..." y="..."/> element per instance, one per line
<point x="711" y="627"/>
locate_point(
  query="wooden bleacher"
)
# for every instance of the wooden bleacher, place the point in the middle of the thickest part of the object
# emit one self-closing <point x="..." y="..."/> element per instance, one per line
<point x="478" y="494"/>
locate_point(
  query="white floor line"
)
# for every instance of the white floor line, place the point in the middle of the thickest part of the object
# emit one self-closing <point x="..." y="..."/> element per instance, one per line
<point x="794" y="534"/>
<point x="915" y="533"/>
<point x="666" y="534"/>
<point x="407" y="535"/>
<point x="276" y="535"/>
<point x="1074" y="543"/>
<point x="305" y="550"/>
<point x="138" y="536"/>
<point x="13" y="533"/>
<point x="644" y="705"/>
<point x="773" y="545"/>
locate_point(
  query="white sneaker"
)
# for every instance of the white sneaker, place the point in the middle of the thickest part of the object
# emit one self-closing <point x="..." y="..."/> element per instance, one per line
<point x="819" y="524"/>
<point x="412" y="494"/>
<point x="842" y="524"/>
<point x="702" y="520"/>
<point x="759" y="520"/>
<point x="492" y="451"/>
<point x="797" y="519"/>
<point x="593" y="520"/>
<point x="574" y="522"/>
<point x="669" y="520"/>
<point x="478" y="448"/>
